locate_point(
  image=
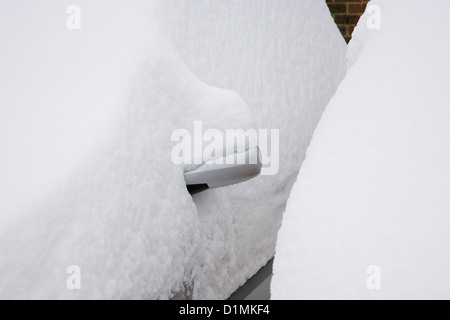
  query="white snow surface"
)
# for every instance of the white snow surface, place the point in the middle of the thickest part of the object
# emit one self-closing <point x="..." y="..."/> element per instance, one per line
<point x="373" y="189"/>
<point x="86" y="118"/>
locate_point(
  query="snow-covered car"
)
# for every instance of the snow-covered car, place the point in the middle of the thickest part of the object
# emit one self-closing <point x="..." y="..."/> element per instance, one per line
<point x="91" y="203"/>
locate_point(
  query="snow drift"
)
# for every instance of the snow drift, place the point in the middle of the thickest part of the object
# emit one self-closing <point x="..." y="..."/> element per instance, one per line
<point x="368" y="217"/>
<point x="86" y="118"/>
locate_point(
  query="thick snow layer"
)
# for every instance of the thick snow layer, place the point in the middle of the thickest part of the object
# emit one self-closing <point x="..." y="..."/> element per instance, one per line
<point x="86" y="118"/>
<point x="285" y="59"/>
<point x="369" y="215"/>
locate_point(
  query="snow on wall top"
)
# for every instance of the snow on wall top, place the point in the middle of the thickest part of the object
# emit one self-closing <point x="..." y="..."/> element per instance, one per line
<point x="369" y="215"/>
<point x="86" y="118"/>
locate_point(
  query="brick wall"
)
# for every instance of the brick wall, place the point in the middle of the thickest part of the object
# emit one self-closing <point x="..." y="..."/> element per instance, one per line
<point x="346" y="14"/>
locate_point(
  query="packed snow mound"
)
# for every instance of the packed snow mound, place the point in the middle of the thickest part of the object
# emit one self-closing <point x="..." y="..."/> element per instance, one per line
<point x="86" y="117"/>
<point x="369" y="215"/>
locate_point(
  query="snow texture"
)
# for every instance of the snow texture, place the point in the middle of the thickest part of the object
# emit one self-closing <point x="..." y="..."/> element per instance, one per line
<point x="369" y="215"/>
<point x="86" y="118"/>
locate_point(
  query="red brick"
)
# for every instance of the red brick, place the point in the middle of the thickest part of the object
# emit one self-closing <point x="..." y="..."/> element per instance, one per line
<point x="346" y="14"/>
<point x="337" y="8"/>
<point x="356" y="8"/>
<point x="353" y="19"/>
<point x="346" y="19"/>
